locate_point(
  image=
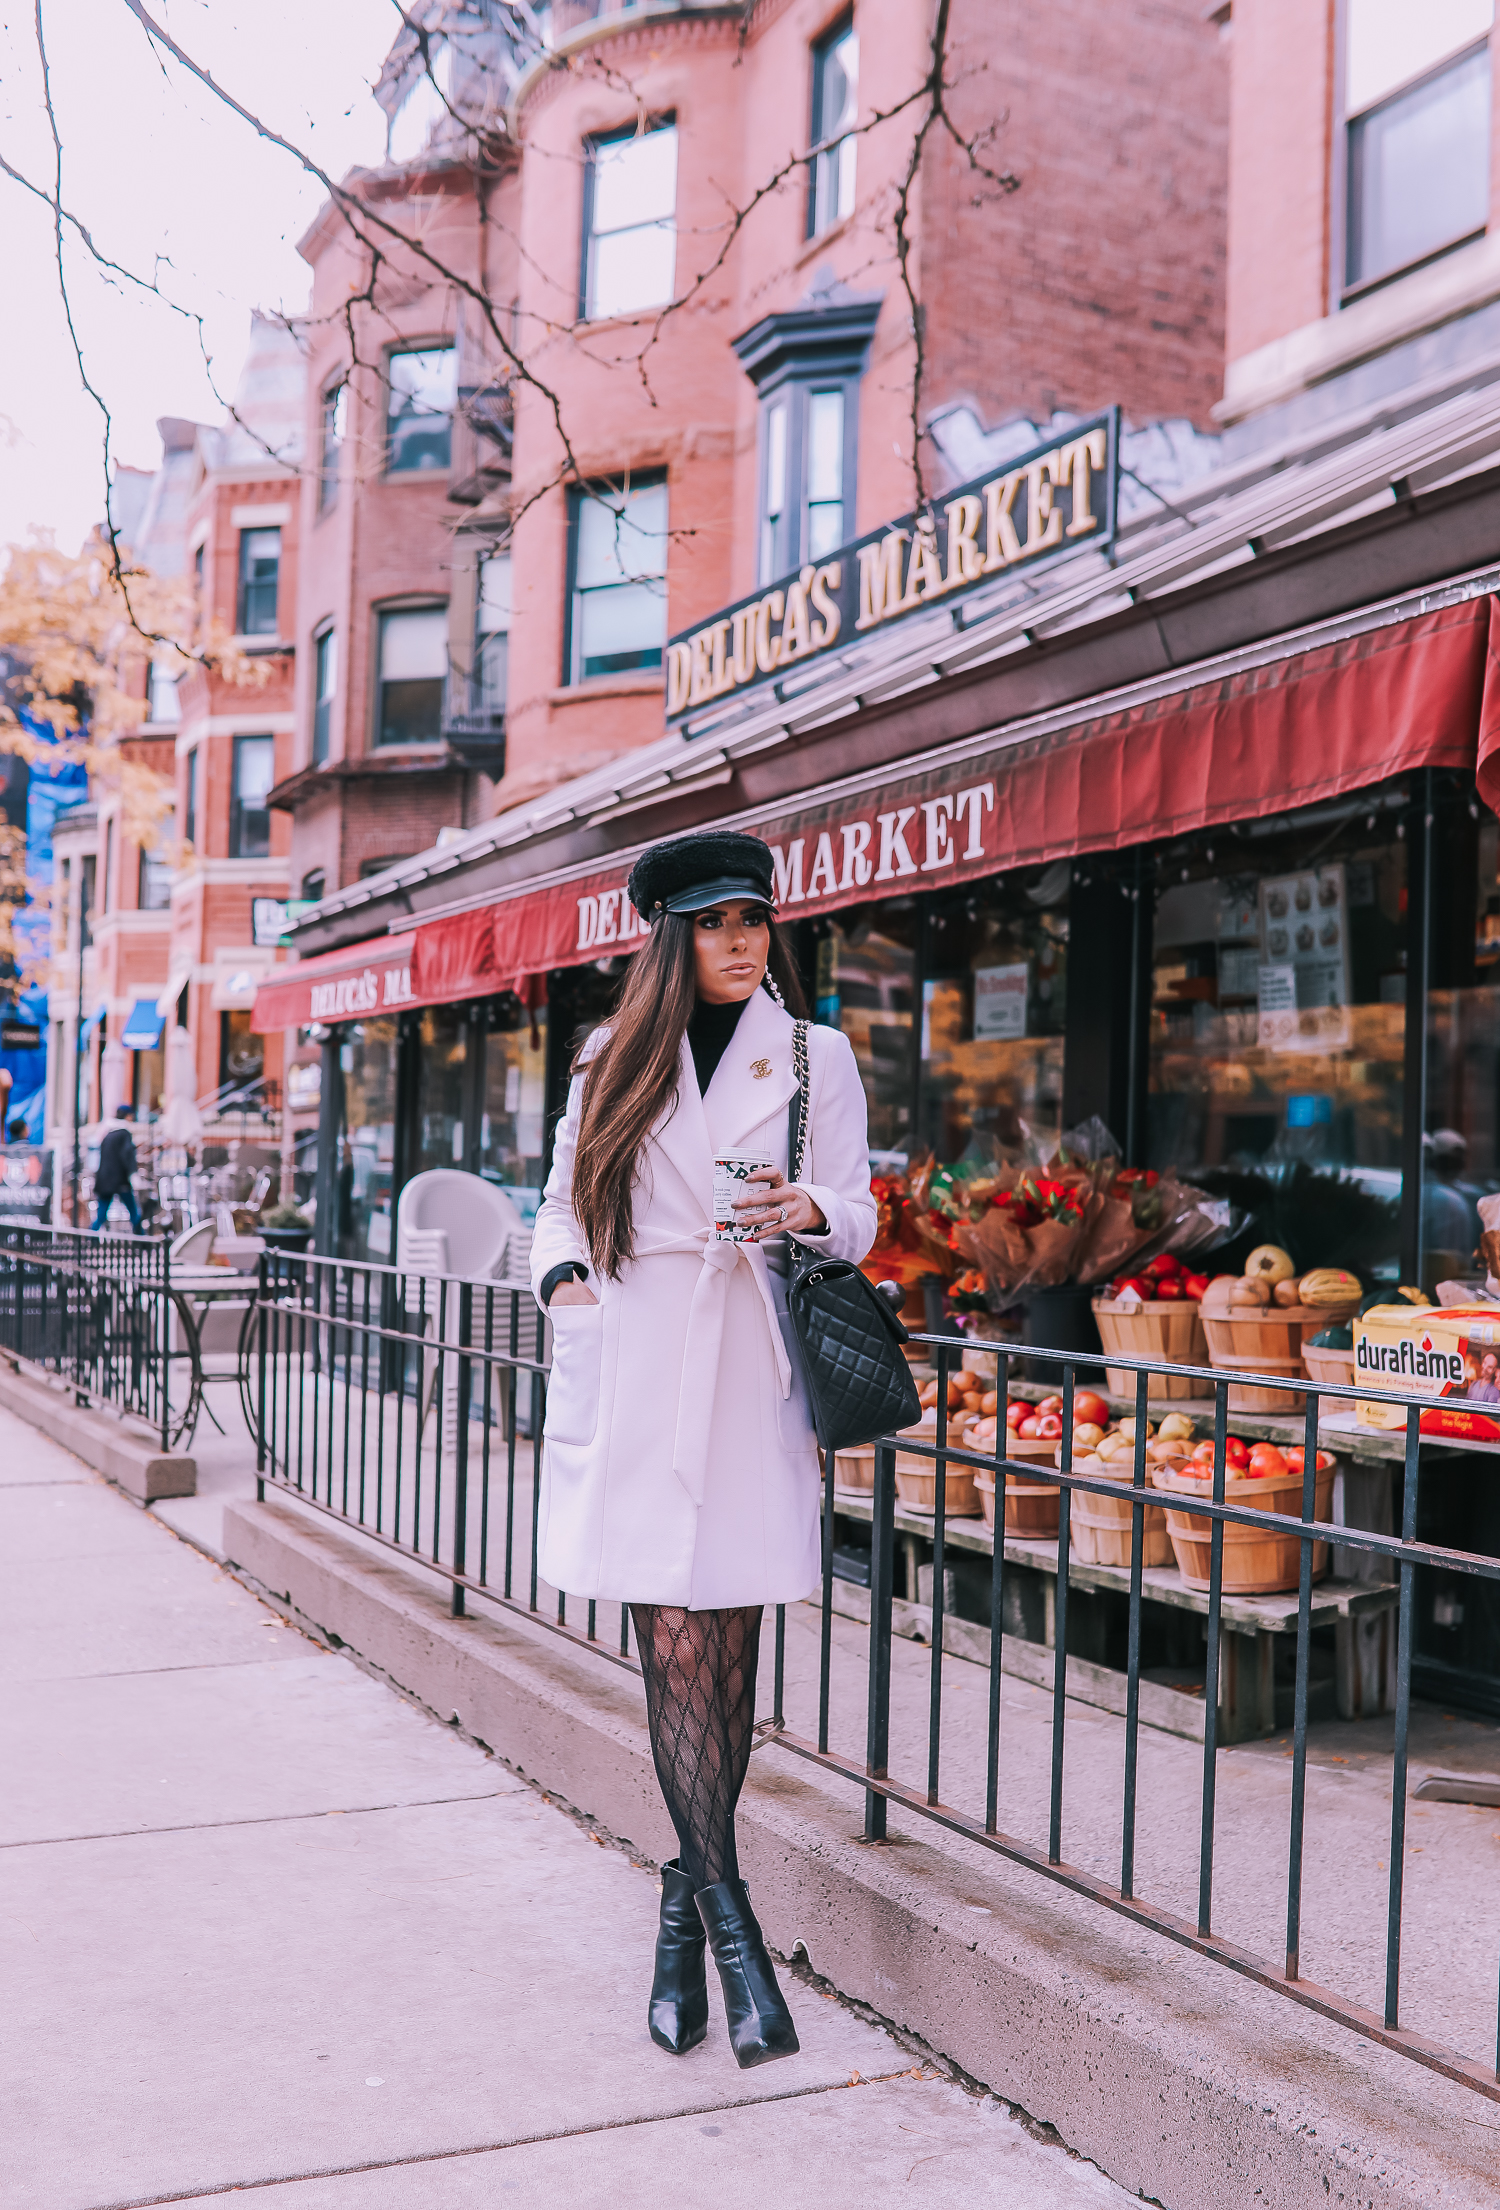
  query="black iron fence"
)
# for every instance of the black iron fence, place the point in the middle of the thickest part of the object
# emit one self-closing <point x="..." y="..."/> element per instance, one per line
<point x="96" y="1310"/>
<point x="410" y="1409"/>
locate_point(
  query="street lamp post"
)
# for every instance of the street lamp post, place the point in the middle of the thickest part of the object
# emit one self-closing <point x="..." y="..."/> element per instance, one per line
<point x="78" y="1041"/>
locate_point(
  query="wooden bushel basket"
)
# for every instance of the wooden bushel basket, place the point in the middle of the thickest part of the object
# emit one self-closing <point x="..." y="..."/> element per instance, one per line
<point x="855" y="1469"/>
<point x="1171" y="1330"/>
<point x="1101" y="1527"/>
<point x="1257" y="1562"/>
<point x="1031" y="1507"/>
<point x="917" y="1477"/>
<point x="1324" y="1365"/>
<point x="1268" y="1340"/>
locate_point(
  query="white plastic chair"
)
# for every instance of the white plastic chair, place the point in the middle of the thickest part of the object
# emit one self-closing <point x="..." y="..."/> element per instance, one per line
<point x="475" y="1220"/>
<point x="450" y="1223"/>
<point x="193" y="1246"/>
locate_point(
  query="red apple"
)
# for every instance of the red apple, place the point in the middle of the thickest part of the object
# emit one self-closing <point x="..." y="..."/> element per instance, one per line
<point x="1048" y="1427"/>
<point x="1028" y="1429"/>
<point x="1090" y="1410"/>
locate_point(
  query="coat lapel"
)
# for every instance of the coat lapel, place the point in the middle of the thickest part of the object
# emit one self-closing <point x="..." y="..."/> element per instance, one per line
<point x="739" y="1098"/>
<point x="682" y="1134"/>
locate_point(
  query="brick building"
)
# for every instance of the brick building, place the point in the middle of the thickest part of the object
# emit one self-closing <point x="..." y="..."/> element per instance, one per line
<point x="180" y="843"/>
<point x="484" y="595"/>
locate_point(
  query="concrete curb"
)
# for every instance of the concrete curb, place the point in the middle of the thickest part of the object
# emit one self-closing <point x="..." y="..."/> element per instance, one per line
<point x="102" y="1440"/>
<point x="1184" y="2083"/>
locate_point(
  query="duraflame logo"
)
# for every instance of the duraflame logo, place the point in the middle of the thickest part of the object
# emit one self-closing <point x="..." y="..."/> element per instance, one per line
<point x="350" y="995"/>
<point x="1409" y="1361"/>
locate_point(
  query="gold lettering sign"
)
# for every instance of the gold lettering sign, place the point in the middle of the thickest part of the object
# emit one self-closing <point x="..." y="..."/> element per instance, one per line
<point x="1058" y="499"/>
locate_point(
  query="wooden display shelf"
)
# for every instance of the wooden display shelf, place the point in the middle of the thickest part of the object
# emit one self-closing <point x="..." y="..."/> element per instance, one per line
<point x="1361" y="1613"/>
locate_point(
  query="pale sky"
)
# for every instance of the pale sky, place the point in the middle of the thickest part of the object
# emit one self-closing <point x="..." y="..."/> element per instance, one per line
<point x="154" y="166"/>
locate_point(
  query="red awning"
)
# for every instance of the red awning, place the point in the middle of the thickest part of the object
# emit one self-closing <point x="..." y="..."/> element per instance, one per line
<point x="1335" y="719"/>
<point x="347" y="985"/>
<point x="456" y="958"/>
<point x="1418" y="693"/>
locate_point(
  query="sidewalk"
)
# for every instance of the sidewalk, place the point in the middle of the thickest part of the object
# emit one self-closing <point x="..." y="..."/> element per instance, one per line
<point x="268" y="1927"/>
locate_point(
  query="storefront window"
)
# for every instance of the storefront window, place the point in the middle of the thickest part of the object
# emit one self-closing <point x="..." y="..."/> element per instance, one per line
<point x="866" y="965"/>
<point x="442" y="1088"/>
<point x="512" y="1117"/>
<point x="1278" y="1016"/>
<point x="994" y="996"/>
<point x="1461" y="1129"/>
<point x="367" y="1142"/>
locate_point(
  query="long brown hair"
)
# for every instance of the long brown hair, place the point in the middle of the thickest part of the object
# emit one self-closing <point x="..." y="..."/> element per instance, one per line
<point x="632" y="1073"/>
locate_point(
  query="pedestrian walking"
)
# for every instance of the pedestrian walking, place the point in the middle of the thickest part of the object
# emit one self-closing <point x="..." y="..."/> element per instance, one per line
<point x="680" y="1468"/>
<point x="117" y="1162"/>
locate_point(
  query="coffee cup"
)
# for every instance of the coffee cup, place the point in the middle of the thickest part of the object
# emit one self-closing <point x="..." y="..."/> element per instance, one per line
<point x="732" y="1170"/>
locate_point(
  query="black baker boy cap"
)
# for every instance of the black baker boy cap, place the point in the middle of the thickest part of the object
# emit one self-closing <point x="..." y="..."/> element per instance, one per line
<point x="688" y="873"/>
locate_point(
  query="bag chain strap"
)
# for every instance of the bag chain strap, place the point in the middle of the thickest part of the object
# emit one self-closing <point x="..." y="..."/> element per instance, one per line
<point x="804" y="1085"/>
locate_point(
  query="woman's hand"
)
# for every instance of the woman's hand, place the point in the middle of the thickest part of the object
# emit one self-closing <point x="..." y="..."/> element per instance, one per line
<point x="574" y="1292"/>
<point x="774" y="1206"/>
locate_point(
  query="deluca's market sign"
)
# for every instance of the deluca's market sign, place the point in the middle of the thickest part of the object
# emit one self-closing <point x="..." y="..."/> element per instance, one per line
<point x="1050" y="501"/>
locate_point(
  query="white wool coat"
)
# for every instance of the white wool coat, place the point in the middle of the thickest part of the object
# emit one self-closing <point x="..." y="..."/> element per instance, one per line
<point x="679" y="1464"/>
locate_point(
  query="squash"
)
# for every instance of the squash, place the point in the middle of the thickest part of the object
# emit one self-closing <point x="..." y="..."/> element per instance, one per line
<point x="1250" y="1294"/>
<point x="1330" y="1285"/>
<point x="1268" y="1262"/>
<point x="1287" y="1292"/>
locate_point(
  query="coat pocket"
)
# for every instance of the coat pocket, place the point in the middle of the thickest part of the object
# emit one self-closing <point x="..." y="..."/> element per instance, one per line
<point x="573" y="1384"/>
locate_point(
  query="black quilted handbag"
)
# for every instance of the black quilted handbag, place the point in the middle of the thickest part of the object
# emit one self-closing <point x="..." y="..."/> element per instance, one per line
<point x="849" y="1335"/>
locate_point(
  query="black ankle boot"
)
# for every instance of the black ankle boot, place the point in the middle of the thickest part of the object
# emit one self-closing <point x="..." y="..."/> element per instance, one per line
<point x="678" y="2016"/>
<point x="760" y="2025"/>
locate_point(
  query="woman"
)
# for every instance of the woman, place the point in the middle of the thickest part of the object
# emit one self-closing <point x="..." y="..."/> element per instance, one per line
<point x="680" y="1471"/>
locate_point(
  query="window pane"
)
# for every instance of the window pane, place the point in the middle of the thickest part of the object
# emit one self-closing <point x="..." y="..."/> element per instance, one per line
<point x="835" y="109"/>
<point x="1388" y="42"/>
<point x="865" y="988"/>
<point x="635" y="180"/>
<point x="825" y="446"/>
<point x="493" y="668"/>
<point x="622" y="628"/>
<point x="163" y="705"/>
<point x="411" y="712"/>
<point x="253" y="768"/>
<point x="414" y="644"/>
<point x="249" y="816"/>
<point x="367" y="1141"/>
<point x="622" y="536"/>
<point x="838" y="85"/>
<point x="1277" y="1033"/>
<point x="324" y="683"/>
<point x="633" y="269"/>
<point x="335" y="409"/>
<point x="825" y="529"/>
<point x="494" y="593"/>
<point x="775" y="462"/>
<point x="260" y="567"/>
<point x="1419" y="170"/>
<point x="420" y="403"/>
<point x="443" y="1088"/>
<point x="510" y="1129"/>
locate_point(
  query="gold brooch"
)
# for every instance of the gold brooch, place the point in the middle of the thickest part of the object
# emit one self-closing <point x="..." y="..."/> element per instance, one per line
<point x="760" y="1068"/>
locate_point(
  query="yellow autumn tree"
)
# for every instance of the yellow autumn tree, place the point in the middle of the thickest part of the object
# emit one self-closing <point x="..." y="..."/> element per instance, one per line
<point x="78" y="634"/>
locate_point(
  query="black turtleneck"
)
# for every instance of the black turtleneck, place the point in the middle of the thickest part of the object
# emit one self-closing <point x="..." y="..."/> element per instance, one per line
<point x="710" y="1030"/>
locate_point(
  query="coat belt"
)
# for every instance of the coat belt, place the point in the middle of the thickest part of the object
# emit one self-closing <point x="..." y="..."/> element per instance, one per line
<point x="705" y="1335"/>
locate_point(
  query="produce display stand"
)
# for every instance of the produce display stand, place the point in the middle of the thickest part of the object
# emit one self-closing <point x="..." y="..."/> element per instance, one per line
<point x="1362" y="1615"/>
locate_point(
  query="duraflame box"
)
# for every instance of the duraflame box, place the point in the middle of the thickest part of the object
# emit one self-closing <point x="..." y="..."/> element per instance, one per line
<point x="1451" y="1353"/>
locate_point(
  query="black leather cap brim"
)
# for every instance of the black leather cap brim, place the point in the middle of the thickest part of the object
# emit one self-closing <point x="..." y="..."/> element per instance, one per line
<point x="701" y="894"/>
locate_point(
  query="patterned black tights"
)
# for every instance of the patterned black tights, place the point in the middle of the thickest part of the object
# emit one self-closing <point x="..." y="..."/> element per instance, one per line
<point x="700" y="1707"/>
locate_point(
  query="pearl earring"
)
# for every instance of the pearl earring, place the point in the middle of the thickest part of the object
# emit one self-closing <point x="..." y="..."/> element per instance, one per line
<point x="770" y="982"/>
